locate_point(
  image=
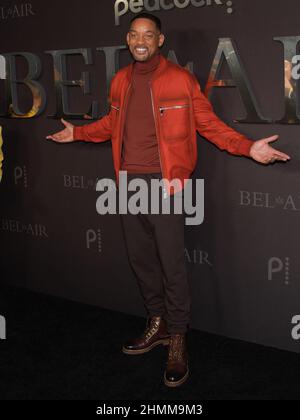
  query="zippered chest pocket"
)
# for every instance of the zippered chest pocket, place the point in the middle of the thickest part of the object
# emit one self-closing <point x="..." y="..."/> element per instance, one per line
<point x="162" y="109"/>
<point x="175" y="119"/>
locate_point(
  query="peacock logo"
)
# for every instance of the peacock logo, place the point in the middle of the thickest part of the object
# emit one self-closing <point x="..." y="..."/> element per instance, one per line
<point x="136" y="6"/>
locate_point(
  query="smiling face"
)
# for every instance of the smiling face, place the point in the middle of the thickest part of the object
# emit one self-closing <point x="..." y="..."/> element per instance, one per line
<point x="144" y="39"/>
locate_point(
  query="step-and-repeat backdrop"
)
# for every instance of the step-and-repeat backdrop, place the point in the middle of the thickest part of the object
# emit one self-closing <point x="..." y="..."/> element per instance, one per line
<point x="56" y="60"/>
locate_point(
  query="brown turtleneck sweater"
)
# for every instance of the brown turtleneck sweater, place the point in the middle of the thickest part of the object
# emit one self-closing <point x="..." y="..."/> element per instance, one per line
<point x="140" y="148"/>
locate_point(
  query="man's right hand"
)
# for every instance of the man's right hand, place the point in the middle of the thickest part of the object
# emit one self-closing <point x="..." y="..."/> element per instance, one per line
<point x="65" y="135"/>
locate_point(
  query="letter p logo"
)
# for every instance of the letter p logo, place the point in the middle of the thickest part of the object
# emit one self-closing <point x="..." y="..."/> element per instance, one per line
<point x="119" y="11"/>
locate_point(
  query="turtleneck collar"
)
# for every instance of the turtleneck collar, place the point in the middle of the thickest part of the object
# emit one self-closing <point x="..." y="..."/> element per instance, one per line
<point x="144" y="67"/>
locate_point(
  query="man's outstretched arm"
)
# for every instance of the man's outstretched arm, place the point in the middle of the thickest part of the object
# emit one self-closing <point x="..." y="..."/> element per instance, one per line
<point x="210" y="126"/>
<point x="97" y="131"/>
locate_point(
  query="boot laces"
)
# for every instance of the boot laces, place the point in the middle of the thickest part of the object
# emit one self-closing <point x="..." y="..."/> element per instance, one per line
<point x="152" y="327"/>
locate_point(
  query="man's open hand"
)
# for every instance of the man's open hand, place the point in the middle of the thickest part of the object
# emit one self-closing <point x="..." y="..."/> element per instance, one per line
<point x="262" y="152"/>
<point x="65" y="135"/>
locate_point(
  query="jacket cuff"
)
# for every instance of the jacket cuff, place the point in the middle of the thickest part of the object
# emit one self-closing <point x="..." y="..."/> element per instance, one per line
<point x="245" y="146"/>
<point x="77" y="133"/>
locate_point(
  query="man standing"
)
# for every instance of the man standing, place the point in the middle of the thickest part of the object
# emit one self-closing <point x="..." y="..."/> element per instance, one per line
<point x="156" y="109"/>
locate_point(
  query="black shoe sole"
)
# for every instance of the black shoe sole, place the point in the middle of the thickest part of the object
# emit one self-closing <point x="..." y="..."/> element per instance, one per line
<point x="164" y="342"/>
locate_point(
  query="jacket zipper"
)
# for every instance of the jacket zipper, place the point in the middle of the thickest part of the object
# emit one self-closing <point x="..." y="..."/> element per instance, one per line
<point x="116" y="107"/>
<point x="163" y="108"/>
<point x="158" y="140"/>
<point x="122" y="121"/>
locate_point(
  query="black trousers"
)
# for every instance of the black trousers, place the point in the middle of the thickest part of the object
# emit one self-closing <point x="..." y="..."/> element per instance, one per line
<point x="155" y="246"/>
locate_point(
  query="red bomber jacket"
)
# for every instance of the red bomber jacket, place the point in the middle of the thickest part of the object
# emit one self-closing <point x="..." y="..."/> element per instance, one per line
<point x="179" y="108"/>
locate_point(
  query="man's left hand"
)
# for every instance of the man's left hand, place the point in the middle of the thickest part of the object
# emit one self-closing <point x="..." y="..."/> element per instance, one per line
<point x="262" y="152"/>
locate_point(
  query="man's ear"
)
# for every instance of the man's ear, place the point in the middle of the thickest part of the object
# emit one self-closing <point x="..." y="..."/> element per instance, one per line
<point x="127" y="38"/>
<point x="161" y="40"/>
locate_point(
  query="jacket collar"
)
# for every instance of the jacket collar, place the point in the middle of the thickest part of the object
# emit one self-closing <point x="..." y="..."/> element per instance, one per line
<point x="163" y="64"/>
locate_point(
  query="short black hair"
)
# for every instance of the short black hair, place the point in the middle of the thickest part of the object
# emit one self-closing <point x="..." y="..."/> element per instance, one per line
<point x="145" y="15"/>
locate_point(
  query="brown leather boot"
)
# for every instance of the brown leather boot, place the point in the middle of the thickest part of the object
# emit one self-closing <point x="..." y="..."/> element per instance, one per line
<point x="155" y="333"/>
<point x="177" y="370"/>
